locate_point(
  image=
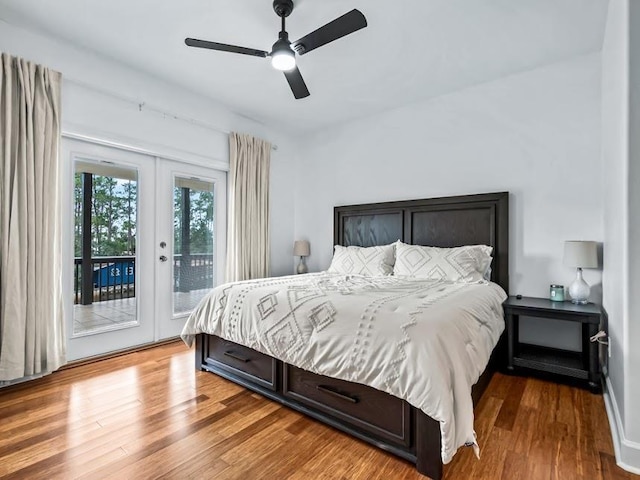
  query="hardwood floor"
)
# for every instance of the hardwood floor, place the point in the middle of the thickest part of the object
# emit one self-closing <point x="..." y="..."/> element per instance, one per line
<point x="152" y="415"/>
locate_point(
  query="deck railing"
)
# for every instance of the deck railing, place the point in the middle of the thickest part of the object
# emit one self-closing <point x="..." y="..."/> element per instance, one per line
<point x="114" y="277"/>
<point x="192" y="272"/>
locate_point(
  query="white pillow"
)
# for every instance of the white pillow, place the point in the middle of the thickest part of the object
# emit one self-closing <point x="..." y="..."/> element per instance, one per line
<point x="363" y="260"/>
<point x="459" y="264"/>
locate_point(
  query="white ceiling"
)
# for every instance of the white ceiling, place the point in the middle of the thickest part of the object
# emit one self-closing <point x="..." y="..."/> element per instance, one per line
<point x="411" y="50"/>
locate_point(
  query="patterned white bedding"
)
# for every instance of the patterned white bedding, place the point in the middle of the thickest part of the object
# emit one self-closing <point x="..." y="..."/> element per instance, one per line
<point x="425" y="341"/>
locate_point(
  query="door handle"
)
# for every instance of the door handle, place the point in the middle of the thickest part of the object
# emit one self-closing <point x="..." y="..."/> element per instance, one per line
<point x="231" y="354"/>
<point x="335" y="393"/>
<point x="163" y="258"/>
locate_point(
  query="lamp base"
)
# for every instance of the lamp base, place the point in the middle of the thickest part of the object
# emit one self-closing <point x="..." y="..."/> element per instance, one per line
<point x="302" y="266"/>
<point x="579" y="290"/>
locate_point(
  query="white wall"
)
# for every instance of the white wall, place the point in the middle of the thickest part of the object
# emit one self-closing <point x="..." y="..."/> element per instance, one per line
<point x="615" y="154"/>
<point x="88" y="110"/>
<point x="621" y="173"/>
<point x="632" y="337"/>
<point x="535" y="134"/>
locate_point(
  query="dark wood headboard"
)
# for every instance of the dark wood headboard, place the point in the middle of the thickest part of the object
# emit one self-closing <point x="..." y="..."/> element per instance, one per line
<point x="440" y="222"/>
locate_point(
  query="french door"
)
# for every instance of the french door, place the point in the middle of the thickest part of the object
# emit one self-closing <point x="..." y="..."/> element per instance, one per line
<point x="190" y="240"/>
<point x="144" y="242"/>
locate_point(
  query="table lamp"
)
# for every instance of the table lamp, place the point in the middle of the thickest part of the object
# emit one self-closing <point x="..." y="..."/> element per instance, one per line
<point x="301" y="248"/>
<point x="580" y="254"/>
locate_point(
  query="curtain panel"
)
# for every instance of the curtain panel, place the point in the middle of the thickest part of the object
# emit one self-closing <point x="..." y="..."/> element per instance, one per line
<point x="32" y="340"/>
<point x="248" y="225"/>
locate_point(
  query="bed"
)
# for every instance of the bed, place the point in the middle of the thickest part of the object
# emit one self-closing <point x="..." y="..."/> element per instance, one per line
<point x="381" y="416"/>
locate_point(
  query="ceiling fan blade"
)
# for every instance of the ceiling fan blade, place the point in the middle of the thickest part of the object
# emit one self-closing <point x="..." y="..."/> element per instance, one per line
<point x="223" y="47"/>
<point x="338" y="28"/>
<point x="296" y="82"/>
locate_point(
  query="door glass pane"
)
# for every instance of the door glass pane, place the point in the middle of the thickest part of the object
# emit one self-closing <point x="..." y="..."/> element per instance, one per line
<point x="193" y="242"/>
<point x="105" y="232"/>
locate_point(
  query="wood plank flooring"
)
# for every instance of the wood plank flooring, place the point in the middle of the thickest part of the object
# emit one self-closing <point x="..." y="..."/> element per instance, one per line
<point x="150" y="414"/>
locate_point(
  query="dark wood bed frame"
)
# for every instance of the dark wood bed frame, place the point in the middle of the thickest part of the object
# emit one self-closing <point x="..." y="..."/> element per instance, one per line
<point x="353" y="408"/>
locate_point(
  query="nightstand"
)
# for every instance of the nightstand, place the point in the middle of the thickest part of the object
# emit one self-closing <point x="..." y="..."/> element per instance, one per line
<point x="583" y="365"/>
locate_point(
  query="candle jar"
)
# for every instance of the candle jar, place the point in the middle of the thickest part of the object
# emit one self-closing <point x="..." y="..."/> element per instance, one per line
<point x="556" y="293"/>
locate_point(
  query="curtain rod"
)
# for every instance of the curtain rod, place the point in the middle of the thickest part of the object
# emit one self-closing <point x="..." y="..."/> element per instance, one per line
<point x="151" y="108"/>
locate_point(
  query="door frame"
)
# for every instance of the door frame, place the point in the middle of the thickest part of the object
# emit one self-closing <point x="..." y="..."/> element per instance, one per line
<point x="73" y="148"/>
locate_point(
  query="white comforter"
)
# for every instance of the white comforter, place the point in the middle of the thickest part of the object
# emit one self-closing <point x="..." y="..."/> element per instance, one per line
<point x="421" y="340"/>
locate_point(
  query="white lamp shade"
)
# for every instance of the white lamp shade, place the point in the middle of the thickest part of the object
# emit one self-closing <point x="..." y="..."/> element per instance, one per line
<point x="301" y="248"/>
<point x="581" y="254"/>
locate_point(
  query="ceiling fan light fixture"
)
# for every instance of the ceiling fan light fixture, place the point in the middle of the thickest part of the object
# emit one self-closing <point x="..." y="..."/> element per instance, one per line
<point x="283" y="61"/>
<point x="282" y="57"/>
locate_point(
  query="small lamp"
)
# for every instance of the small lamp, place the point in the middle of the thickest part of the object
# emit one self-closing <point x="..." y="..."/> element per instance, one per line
<point x="301" y="248"/>
<point x="580" y="254"/>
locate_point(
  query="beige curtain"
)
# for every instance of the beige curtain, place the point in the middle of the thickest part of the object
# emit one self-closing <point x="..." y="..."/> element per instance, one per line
<point x="32" y="339"/>
<point x="248" y="225"/>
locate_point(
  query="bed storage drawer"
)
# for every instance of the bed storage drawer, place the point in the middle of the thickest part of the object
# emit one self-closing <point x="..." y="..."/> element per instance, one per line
<point x="241" y="361"/>
<point x="363" y="407"/>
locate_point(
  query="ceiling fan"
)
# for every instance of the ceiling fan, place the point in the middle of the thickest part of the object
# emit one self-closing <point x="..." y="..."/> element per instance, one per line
<point x="283" y="52"/>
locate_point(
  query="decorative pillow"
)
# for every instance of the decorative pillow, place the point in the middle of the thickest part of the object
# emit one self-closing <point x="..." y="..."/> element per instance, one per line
<point x="459" y="264"/>
<point x="363" y="260"/>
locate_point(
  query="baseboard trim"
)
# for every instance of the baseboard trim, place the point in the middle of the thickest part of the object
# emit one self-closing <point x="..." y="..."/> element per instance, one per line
<point x="118" y="353"/>
<point x="627" y="452"/>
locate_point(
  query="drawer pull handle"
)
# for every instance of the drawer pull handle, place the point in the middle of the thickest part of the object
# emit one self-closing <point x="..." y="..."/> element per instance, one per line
<point x="339" y="395"/>
<point x="237" y="357"/>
